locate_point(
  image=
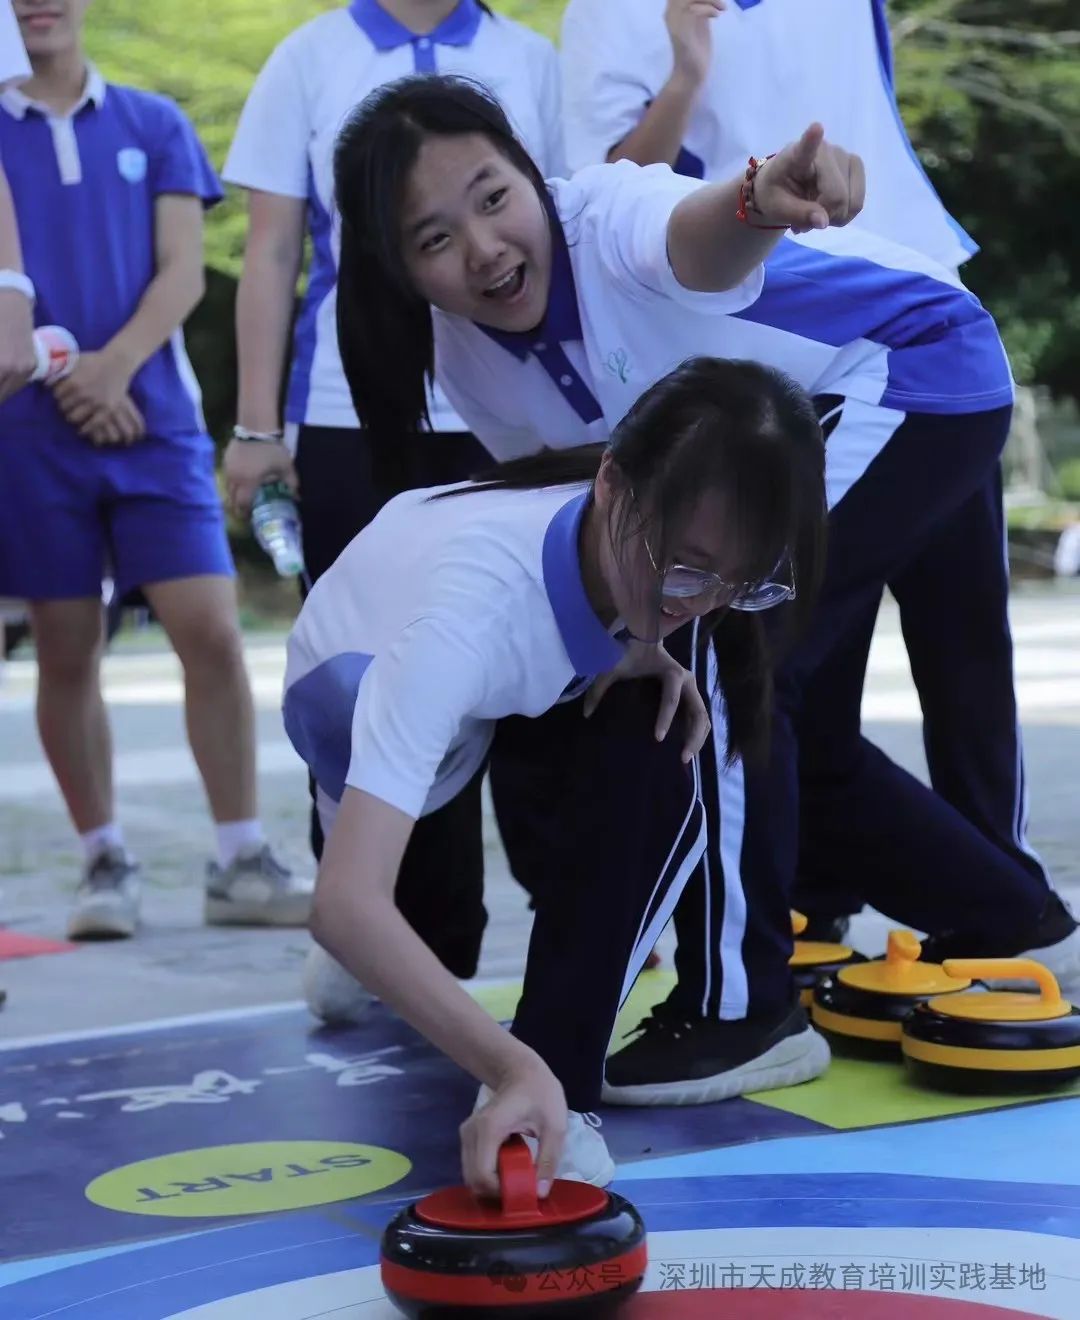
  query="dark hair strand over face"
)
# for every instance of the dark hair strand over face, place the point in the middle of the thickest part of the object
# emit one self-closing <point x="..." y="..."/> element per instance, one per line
<point x="744" y="434"/>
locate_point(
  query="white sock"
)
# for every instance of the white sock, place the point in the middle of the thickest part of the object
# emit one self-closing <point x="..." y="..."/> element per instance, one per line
<point x="238" y="836"/>
<point x="95" y="842"/>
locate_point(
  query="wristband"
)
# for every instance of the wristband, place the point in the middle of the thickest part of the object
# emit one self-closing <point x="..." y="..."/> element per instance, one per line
<point x="747" y="202"/>
<point x="15" y="279"/>
<point x="258" y="437"/>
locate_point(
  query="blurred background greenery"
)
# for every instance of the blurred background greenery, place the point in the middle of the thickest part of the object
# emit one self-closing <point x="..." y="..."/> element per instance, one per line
<point x="990" y="93"/>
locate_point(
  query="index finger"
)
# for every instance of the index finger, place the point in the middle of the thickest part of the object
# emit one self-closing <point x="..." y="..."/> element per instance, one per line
<point x="481" y="1140"/>
<point x="698" y="723"/>
<point x="804" y="153"/>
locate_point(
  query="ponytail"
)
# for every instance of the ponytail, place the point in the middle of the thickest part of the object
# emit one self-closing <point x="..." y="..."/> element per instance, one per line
<point x="387" y="349"/>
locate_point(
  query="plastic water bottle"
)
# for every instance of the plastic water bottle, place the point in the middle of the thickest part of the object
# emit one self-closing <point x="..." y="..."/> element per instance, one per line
<point x="56" y="353"/>
<point x="275" y="520"/>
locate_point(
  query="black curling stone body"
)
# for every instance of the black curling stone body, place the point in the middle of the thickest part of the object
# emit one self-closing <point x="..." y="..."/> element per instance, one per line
<point x="926" y="1024"/>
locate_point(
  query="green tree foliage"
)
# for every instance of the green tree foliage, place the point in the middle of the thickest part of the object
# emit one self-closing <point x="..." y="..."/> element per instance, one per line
<point x="990" y="91"/>
<point x="205" y="55"/>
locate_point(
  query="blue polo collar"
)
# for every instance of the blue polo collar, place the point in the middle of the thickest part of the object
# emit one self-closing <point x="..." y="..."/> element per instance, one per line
<point x="562" y="320"/>
<point x="384" y="31"/>
<point x="591" y="648"/>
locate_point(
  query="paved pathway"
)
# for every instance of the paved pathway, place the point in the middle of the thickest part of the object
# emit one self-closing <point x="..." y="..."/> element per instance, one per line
<point x="177" y="967"/>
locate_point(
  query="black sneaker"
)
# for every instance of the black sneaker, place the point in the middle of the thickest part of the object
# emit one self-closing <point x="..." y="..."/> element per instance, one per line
<point x="1055" y="942"/>
<point x="825" y="930"/>
<point x="1055" y="925"/>
<point x="682" y="1060"/>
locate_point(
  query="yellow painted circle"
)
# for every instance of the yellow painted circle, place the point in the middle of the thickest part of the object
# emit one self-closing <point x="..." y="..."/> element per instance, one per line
<point x="250" y="1178"/>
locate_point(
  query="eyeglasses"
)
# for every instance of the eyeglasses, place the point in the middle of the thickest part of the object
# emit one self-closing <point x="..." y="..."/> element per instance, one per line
<point x="683" y="582"/>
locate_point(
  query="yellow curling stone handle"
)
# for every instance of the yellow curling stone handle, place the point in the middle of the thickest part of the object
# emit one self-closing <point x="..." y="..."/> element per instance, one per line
<point x="900" y="972"/>
<point x="1003" y="1004"/>
<point x="902" y="949"/>
<point x="798" y="923"/>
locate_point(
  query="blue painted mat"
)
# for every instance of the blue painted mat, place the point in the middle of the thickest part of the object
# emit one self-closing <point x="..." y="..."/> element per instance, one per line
<point x="246" y="1165"/>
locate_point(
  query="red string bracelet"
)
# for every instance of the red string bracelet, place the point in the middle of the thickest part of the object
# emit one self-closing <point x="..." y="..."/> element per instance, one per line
<point x="746" y="195"/>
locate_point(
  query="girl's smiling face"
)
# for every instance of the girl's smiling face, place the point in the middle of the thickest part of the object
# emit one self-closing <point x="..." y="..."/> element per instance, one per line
<point x="475" y="237"/>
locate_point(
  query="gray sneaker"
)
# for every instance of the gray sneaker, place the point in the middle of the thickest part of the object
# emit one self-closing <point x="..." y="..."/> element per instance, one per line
<point x="107" y="900"/>
<point x="256" y="890"/>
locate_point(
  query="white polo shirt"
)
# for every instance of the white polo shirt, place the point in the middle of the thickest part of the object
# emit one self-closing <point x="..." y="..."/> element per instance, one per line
<point x="777" y="65"/>
<point x="441" y="617"/>
<point x="285" y="139"/>
<point x="841" y="312"/>
<point x="14" y="64"/>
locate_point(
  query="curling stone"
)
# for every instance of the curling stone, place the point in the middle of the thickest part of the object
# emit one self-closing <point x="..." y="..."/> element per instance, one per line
<point x="862" y="1009"/>
<point x="578" y="1252"/>
<point x="994" y="1040"/>
<point x="813" y="959"/>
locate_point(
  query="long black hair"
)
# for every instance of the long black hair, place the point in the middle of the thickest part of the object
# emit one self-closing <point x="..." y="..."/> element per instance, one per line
<point x="745" y="433"/>
<point x="384" y="327"/>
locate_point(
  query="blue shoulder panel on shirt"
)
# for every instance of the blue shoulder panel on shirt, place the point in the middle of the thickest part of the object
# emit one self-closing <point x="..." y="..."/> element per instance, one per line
<point x="943" y="343"/>
<point x="318" y="713"/>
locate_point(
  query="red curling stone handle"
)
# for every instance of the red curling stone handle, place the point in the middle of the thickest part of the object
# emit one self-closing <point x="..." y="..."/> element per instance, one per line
<point x="517" y="1179"/>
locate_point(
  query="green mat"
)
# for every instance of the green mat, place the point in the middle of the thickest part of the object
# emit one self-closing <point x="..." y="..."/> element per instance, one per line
<point x="853" y="1093"/>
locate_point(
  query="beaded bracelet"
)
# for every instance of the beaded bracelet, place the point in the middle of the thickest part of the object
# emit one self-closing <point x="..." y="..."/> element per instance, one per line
<point x="746" y="195"/>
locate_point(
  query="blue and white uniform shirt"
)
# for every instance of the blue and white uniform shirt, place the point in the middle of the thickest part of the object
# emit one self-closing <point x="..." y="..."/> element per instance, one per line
<point x="841" y="312"/>
<point x="441" y="617"/>
<point x="85" y="185"/>
<point x="285" y="140"/>
<point x="777" y="66"/>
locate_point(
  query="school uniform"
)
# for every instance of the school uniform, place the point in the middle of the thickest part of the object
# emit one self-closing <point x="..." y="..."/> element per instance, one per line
<point x="776" y="66"/>
<point x="84" y="186"/>
<point x="445" y="617"/>
<point x="912" y="378"/>
<point x="284" y="144"/>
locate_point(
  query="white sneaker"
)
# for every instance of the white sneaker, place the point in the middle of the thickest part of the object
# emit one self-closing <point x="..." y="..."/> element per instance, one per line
<point x="1062" y="958"/>
<point x="107" y="899"/>
<point x="256" y="890"/>
<point x="332" y="993"/>
<point x="585" y="1157"/>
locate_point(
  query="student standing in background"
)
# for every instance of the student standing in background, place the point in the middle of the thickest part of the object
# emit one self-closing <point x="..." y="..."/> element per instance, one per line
<point x="282" y="156"/>
<point x="111" y="471"/>
<point x="700" y="85"/>
<point x="16" y="290"/>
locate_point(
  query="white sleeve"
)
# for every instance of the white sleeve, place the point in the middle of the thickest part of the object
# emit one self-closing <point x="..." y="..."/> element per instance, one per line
<point x="14" y="65"/>
<point x="627" y="213"/>
<point x="269" y="150"/>
<point x="606" y="81"/>
<point x="409" y="709"/>
<point x="553" y="162"/>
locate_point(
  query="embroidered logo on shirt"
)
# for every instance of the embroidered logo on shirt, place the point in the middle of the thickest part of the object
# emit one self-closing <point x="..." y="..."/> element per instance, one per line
<point x="131" y="162"/>
<point x="618" y="363"/>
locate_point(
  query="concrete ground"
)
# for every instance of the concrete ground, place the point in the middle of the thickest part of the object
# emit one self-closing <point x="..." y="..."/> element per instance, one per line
<point x="176" y="966"/>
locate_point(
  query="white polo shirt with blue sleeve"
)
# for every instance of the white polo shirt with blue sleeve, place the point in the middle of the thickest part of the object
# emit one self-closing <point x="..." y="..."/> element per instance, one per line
<point x="284" y="144"/>
<point x="441" y="617"/>
<point x="777" y="65"/>
<point x="841" y="312"/>
<point x="84" y="186"/>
